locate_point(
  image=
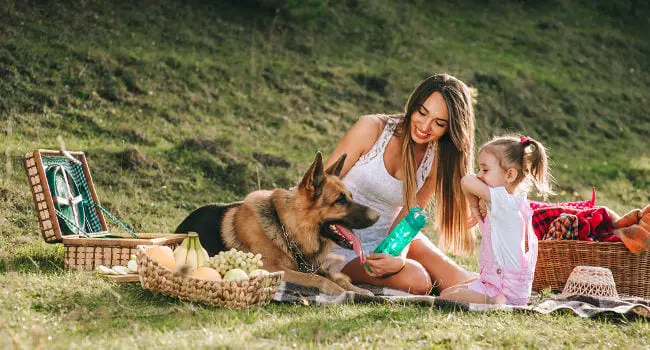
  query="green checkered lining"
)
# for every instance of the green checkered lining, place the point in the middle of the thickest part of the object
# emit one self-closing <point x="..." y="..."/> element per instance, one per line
<point x="92" y="219"/>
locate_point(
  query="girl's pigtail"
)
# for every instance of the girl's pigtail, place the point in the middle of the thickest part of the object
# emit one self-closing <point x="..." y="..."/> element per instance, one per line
<point x="535" y="163"/>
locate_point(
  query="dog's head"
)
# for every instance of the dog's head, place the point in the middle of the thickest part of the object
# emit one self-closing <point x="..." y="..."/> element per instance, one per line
<point x="332" y="202"/>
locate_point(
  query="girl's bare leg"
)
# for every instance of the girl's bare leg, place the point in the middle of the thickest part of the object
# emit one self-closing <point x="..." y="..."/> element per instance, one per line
<point x="413" y="278"/>
<point x="444" y="272"/>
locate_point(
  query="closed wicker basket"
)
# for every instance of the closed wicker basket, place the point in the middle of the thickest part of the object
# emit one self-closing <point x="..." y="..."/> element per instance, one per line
<point x="557" y="259"/>
<point x="257" y="290"/>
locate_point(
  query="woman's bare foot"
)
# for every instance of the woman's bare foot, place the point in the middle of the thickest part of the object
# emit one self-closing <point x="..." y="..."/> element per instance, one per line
<point x="637" y="236"/>
<point x="628" y="219"/>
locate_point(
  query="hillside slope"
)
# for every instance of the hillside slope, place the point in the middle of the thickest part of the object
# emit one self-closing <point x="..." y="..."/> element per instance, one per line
<point x="182" y="103"/>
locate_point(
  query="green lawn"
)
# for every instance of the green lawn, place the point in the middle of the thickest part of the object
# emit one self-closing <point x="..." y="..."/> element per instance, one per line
<point x="181" y="103"/>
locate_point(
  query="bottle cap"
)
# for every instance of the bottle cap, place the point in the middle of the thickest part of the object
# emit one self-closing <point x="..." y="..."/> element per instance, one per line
<point x="416" y="218"/>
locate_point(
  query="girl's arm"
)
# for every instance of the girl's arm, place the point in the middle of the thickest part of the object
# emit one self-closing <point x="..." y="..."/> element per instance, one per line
<point x="475" y="190"/>
<point x="356" y="142"/>
<point x="473" y="186"/>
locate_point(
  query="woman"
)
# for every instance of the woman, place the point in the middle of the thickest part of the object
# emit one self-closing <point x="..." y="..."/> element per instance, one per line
<point x="397" y="162"/>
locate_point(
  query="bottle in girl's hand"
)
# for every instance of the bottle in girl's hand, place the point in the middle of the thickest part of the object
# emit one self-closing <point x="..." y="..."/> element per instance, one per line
<point x="403" y="233"/>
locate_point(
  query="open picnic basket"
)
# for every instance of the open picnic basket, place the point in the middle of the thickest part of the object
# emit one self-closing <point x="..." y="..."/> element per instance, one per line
<point x="231" y="294"/>
<point x="556" y="260"/>
<point x="69" y="212"/>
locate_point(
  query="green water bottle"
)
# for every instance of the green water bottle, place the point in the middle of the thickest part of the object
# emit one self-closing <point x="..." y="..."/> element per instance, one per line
<point x="402" y="234"/>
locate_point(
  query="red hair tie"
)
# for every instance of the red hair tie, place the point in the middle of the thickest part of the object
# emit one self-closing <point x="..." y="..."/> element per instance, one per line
<point x="524" y="139"/>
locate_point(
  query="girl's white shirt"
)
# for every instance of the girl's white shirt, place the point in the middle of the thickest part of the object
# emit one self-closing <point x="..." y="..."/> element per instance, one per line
<point x="507" y="226"/>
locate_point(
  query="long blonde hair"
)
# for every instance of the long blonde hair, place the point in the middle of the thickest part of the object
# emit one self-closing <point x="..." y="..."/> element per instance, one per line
<point x="454" y="156"/>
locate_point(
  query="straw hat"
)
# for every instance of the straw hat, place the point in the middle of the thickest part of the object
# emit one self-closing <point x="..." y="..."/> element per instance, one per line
<point x="597" y="282"/>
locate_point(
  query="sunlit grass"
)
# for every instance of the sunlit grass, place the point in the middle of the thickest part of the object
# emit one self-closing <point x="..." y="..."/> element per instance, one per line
<point x="178" y="104"/>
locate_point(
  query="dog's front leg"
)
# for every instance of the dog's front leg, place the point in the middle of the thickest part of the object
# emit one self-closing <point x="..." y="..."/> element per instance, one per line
<point x="312" y="280"/>
<point x="329" y="270"/>
<point x="344" y="281"/>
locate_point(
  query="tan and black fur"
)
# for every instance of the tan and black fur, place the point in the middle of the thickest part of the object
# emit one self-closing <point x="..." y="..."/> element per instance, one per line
<point x="305" y="212"/>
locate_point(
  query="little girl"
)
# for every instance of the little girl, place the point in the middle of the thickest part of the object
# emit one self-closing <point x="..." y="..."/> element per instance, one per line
<point x="507" y="166"/>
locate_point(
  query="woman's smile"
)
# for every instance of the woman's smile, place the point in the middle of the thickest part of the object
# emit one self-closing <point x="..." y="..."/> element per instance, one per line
<point x="421" y="134"/>
<point x="431" y="120"/>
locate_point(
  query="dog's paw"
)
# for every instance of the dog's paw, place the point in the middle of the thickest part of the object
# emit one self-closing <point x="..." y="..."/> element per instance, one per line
<point x="363" y="291"/>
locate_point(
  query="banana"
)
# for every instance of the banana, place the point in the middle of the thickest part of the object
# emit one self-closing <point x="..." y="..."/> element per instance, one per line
<point x="191" y="255"/>
<point x="180" y="253"/>
<point x="199" y="256"/>
<point x="203" y="254"/>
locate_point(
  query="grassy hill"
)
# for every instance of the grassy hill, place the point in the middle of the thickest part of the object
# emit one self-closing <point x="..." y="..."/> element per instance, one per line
<point x="180" y="103"/>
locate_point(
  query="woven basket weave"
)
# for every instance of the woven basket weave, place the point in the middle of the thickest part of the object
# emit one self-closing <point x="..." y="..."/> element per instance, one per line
<point x="88" y="253"/>
<point x="231" y="294"/>
<point x="557" y="259"/>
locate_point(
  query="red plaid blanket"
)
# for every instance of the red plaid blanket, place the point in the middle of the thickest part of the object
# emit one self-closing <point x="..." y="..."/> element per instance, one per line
<point x="594" y="223"/>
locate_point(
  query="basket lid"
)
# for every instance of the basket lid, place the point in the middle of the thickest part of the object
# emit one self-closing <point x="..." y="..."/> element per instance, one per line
<point x="64" y="195"/>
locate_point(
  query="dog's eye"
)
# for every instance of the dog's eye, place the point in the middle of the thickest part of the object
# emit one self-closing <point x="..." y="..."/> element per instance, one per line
<point x="341" y="200"/>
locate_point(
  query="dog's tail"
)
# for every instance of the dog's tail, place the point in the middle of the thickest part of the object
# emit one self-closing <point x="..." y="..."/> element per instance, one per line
<point x="206" y="221"/>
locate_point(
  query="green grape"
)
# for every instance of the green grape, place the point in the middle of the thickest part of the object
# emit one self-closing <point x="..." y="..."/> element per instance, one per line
<point x="230" y="259"/>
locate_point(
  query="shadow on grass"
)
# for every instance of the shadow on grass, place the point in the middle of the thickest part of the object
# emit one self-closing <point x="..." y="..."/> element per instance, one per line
<point x="34" y="257"/>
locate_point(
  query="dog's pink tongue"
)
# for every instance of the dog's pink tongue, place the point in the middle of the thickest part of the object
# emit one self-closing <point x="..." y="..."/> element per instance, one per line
<point x="356" y="243"/>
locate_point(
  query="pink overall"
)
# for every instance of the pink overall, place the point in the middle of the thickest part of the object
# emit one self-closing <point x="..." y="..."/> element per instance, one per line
<point x="514" y="283"/>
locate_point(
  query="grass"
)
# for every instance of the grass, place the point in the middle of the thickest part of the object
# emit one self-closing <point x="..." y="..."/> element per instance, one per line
<point x="101" y="314"/>
<point x="177" y="104"/>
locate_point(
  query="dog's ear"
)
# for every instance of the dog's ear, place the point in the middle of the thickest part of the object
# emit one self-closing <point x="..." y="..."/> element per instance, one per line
<point x="336" y="168"/>
<point x="314" y="179"/>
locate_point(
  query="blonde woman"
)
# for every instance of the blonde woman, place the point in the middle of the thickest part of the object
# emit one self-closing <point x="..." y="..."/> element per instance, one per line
<point x="395" y="162"/>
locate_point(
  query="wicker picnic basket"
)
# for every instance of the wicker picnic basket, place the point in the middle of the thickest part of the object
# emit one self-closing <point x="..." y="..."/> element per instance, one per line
<point x="96" y="245"/>
<point x="231" y="294"/>
<point x="556" y="260"/>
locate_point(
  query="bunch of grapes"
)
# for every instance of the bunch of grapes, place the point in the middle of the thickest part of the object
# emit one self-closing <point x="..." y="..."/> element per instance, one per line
<point x="233" y="258"/>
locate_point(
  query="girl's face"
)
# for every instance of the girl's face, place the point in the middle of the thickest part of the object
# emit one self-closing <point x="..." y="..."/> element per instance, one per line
<point x="490" y="172"/>
<point x="431" y="121"/>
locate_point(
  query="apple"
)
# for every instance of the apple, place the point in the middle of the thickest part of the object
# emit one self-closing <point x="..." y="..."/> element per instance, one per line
<point x="235" y="274"/>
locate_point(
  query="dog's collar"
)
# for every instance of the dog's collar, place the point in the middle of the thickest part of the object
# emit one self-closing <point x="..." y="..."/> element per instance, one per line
<point x="303" y="264"/>
<point x="298" y="257"/>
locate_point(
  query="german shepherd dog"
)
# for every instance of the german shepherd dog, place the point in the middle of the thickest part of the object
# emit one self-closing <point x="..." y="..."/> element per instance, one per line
<point x="292" y="229"/>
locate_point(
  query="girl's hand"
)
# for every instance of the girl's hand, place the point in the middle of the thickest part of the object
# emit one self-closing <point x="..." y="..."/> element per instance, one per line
<point x="383" y="265"/>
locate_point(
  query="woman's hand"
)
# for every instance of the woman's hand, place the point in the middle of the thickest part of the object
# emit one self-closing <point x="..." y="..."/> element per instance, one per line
<point x="471" y="221"/>
<point x="482" y="207"/>
<point x="474" y="210"/>
<point x="383" y="265"/>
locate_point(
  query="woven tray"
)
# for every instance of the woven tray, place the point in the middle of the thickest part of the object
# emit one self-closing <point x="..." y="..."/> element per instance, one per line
<point x="557" y="259"/>
<point x="231" y="294"/>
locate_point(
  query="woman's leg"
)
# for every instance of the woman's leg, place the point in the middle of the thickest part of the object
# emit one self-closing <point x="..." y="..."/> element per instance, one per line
<point x="444" y="272"/>
<point x="413" y="278"/>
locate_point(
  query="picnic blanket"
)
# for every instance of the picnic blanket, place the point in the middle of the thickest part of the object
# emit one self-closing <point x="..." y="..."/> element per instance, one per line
<point x="582" y="306"/>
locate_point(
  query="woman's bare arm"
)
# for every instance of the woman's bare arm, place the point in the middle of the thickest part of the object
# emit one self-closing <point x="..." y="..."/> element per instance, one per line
<point x="421" y="198"/>
<point x="357" y="141"/>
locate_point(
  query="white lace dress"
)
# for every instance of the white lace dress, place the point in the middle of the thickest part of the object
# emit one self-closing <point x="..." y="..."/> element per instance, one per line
<point x="372" y="185"/>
